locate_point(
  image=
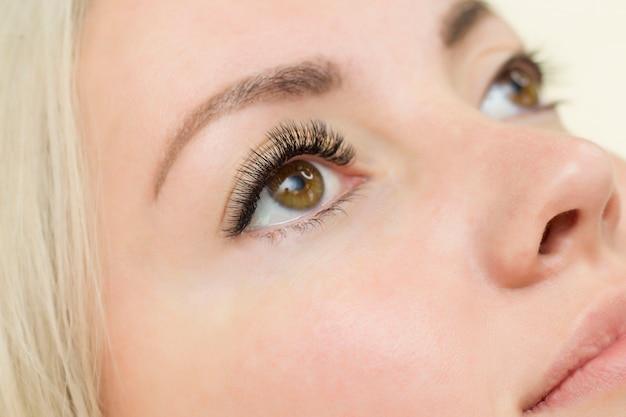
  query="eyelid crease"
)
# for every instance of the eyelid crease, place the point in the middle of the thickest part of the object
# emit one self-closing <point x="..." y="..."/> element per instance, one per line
<point x="284" y="142"/>
<point x="307" y="78"/>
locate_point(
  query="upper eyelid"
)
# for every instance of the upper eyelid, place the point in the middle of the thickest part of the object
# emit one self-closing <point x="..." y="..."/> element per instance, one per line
<point x="529" y="59"/>
<point x="311" y="77"/>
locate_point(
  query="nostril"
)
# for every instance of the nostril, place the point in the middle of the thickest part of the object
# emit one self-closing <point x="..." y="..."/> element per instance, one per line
<point x="556" y="230"/>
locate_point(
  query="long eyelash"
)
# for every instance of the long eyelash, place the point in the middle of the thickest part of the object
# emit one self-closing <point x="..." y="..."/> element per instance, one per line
<point x="286" y="141"/>
<point x="551" y="74"/>
<point x="549" y="70"/>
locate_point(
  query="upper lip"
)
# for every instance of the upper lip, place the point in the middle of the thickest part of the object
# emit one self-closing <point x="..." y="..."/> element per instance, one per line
<point x="596" y="329"/>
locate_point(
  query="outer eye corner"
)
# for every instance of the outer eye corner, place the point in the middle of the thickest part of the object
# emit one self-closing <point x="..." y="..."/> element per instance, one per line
<point x="235" y="224"/>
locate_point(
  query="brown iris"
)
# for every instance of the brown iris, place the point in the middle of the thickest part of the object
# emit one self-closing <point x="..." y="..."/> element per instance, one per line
<point x="297" y="185"/>
<point x="525" y="87"/>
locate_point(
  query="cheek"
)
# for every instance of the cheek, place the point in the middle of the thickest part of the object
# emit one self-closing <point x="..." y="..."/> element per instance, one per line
<point x="361" y="347"/>
<point x="354" y="358"/>
<point x="366" y="345"/>
<point x="337" y="332"/>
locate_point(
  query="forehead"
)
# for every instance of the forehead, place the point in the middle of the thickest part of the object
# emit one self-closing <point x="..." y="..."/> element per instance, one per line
<point x="223" y="20"/>
<point x="157" y="58"/>
<point x="146" y="64"/>
<point x="230" y="34"/>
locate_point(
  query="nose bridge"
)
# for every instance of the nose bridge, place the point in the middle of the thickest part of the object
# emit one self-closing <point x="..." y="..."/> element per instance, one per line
<point x="551" y="203"/>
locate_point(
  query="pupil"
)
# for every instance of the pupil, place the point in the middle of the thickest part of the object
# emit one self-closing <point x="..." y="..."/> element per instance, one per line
<point x="294" y="183"/>
<point x="520" y="81"/>
<point x="297" y="185"/>
<point x="525" y="91"/>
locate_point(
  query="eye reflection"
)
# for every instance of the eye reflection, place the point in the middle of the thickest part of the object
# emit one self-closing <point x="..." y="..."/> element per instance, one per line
<point x="298" y="185"/>
<point x="524" y="89"/>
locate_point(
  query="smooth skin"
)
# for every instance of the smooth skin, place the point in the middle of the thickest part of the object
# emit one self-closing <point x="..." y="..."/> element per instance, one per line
<point x="429" y="297"/>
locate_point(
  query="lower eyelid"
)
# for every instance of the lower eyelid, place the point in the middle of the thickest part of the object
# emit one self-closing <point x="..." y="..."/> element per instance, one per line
<point x="304" y="225"/>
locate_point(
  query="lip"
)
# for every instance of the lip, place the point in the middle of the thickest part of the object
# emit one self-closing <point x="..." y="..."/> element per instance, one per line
<point x="593" y="359"/>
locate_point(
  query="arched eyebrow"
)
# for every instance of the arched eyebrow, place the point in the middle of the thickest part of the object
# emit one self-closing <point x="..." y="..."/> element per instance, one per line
<point x="461" y="19"/>
<point x="314" y="77"/>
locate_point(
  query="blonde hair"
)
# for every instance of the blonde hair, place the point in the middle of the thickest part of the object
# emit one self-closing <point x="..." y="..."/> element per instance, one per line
<point x="49" y="286"/>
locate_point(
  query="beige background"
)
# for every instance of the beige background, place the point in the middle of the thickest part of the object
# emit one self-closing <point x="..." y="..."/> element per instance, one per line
<point x="583" y="43"/>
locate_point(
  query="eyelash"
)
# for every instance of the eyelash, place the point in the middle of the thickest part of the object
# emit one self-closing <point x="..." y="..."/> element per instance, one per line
<point x="527" y="60"/>
<point x="285" y="142"/>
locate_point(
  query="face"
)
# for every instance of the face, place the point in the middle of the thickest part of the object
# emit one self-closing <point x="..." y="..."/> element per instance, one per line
<point x="345" y="208"/>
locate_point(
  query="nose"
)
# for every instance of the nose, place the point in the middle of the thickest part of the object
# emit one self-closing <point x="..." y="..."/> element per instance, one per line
<point x="554" y="204"/>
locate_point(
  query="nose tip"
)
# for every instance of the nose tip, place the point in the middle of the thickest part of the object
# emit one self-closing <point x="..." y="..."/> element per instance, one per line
<point x="582" y="200"/>
<point x="568" y="211"/>
<point x="586" y="208"/>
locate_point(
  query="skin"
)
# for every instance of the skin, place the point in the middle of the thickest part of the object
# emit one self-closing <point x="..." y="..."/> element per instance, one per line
<point x="428" y="297"/>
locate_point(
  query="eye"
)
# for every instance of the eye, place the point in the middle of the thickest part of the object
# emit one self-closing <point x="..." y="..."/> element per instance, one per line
<point x="294" y="180"/>
<point x="516" y="89"/>
<point x="299" y="189"/>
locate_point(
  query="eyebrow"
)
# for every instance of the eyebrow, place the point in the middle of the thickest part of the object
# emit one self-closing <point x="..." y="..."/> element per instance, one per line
<point x="307" y="78"/>
<point x="461" y="19"/>
<point x="313" y="78"/>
